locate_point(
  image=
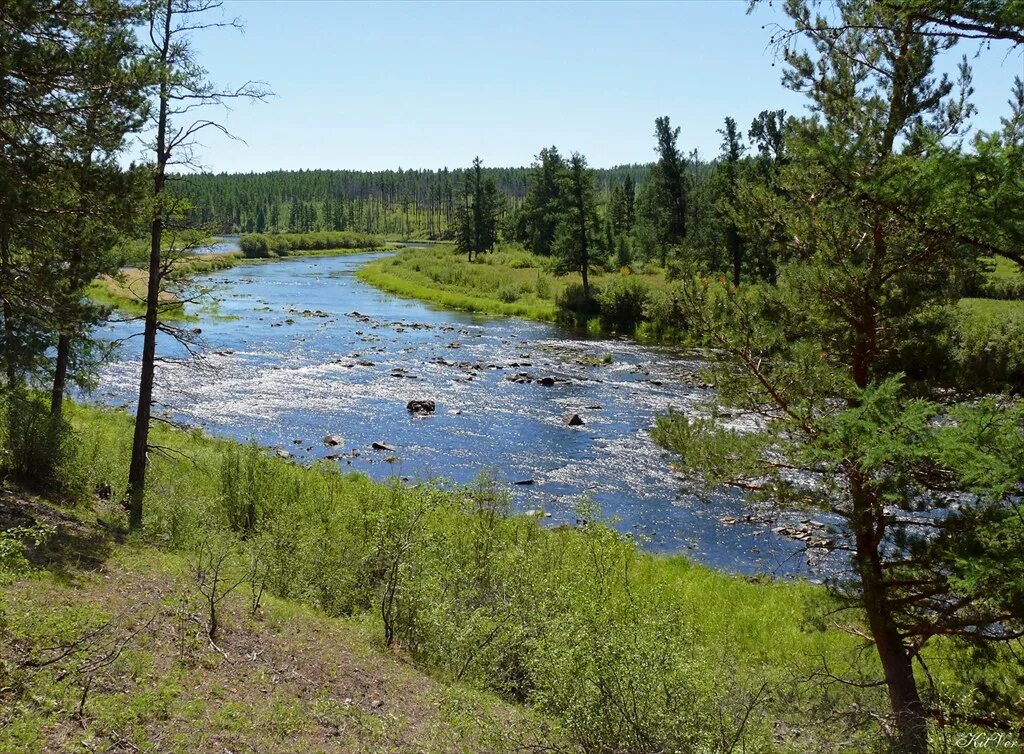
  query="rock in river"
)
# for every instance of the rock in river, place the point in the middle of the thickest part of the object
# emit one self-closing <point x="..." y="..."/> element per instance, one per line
<point x="381" y="446"/>
<point x="331" y="440"/>
<point x="573" y="420"/>
<point x="421" y="407"/>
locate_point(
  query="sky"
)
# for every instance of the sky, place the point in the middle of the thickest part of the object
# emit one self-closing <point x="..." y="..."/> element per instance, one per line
<point x="372" y="86"/>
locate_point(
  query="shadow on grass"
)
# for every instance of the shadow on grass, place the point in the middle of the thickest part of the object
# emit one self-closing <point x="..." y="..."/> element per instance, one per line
<point x="76" y="544"/>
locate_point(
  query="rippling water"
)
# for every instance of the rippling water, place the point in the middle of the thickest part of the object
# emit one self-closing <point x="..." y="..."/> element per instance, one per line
<point x="301" y="349"/>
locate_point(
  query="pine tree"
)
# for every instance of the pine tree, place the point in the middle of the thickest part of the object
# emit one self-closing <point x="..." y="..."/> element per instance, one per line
<point x="544" y="203"/>
<point x="855" y="422"/>
<point x="732" y="150"/>
<point x="477" y="222"/>
<point x="578" y="238"/>
<point x="181" y="83"/>
<point x="669" y="181"/>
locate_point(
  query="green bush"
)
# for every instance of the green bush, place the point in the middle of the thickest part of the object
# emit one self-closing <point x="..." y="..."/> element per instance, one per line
<point x="509" y="293"/>
<point x="543" y="285"/>
<point x="988" y="342"/>
<point x="254" y="245"/>
<point x="663" y="319"/>
<point x="13" y="544"/>
<point x="37" y="449"/>
<point x="622" y="303"/>
<point x="574" y="306"/>
<point x="259" y="245"/>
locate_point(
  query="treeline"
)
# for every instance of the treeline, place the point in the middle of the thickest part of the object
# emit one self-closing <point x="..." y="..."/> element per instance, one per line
<point x="686" y="215"/>
<point x="255" y="245"/>
<point x="406" y="203"/>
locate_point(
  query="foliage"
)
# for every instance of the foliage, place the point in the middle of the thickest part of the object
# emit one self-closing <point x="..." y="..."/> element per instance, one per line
<point x="840" y="361"/>
<point x="476" y="227"/>
<point x="13" y="542"/>
<point x="577" y="244"/>
<point x="622" y="303"/>
<point x="36" y="448"/>
<point x="262" y="245"/>
<point x="581" y="624"/>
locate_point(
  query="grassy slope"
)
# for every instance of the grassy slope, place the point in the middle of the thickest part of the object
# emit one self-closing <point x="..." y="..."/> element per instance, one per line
<point x="285" y="678"/>
<point x="290" y="669"/>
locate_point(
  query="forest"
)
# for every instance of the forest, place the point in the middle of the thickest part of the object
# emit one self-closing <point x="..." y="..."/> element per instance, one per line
<point x="844" y="285"/>
<point x="401" y="203"/>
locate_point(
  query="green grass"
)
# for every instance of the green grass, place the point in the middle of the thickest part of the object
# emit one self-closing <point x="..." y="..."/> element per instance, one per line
<point x="285" y="678"/>
<point x="508" y="281"/>
<point x="990" y="310"/>
<point x="440" y="276"/>
<point x="576" y="623"/>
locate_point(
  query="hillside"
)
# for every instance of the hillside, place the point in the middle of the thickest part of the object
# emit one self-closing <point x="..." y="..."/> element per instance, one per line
<point x="105" y="649"/>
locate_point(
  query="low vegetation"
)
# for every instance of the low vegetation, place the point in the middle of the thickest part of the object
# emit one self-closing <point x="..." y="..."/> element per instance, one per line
<point x="111" y="654"/>
<point x="513" y="281"/>
<point x="264" y="245"/>
<point x="617" y="649"/>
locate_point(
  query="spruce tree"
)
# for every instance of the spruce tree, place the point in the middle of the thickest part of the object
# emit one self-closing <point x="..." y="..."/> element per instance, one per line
<point x="732" y="150"/>
<point x="670" y="183"/>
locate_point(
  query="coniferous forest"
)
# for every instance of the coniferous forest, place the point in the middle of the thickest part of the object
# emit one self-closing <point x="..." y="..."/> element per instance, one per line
<point x="403" y="203"/>
<point x="705" y="453"/>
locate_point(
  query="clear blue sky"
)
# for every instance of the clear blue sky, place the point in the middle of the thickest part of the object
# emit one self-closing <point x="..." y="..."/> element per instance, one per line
<point x="426" y="85"/>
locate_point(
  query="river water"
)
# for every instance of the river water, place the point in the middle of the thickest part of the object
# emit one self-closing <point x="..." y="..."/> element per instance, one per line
<point x="299" y="349"/>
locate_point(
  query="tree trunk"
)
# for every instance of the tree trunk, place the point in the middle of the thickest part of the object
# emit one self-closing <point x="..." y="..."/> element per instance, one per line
<point x="143" y="410"/>
<point x="9" y="344"/>
<point x="909" y="718"/>
<point x="60" y="373"/>
<point x="581" y="208"/>
<point x="736" y="251"/>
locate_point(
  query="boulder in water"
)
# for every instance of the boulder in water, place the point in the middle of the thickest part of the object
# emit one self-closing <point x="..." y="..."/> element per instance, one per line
<point x="573" y="420"/>
<point x="421" y="407"/>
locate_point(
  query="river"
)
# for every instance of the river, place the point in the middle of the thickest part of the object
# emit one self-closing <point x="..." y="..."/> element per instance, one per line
<point x="299" y="349"/>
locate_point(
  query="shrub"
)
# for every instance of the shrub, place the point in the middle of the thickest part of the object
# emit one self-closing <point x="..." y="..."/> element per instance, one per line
<point x="622" y="303"/>
<point x="257" y="245"/>
<point x="988" y="342"/>
<point x="509" y="293"/>
<point x="543" y="286"/>
<point x="574" y="305"/>
<point x="37" y="449"/>
<point x="13" y="544"/>
<point x="663" y="318"/>
<point x="254" y="245"/>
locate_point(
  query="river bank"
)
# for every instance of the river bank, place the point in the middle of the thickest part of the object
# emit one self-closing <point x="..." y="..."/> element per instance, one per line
<point x="126" y="291"/>
<point x="631" y="302"/>
<point x="349" y="358"/>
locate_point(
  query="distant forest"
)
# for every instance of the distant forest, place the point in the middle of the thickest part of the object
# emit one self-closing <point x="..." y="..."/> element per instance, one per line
<point x="406" y="203"/>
